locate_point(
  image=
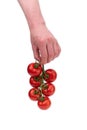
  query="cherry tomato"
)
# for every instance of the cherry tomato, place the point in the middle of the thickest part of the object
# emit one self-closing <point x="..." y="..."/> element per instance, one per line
<point x="50" y="75"/>
<point x="48" y="89"/>
<point x="44" y="103"/>
<point x="35" y="81"/>
<point x="34" y="69"/>
<point x="34" y="94"/>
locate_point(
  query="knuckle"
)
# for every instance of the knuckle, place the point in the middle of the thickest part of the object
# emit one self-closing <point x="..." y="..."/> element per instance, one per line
<point x="57" y="51"/>
<point x="50" y="39"/>
<point x="41" y="40"/>
<point x="56" y="54"/>
<point x="50" y="56"/>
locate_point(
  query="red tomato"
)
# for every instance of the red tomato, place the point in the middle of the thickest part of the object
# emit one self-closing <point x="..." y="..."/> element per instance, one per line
<point x="34" y="94"/>
<point x="48" y="89"/>
<point x="34" y="69"/>
<point x="50" y="75"/>
<point x="35" y="81"/>
<point x="44" y="103"/>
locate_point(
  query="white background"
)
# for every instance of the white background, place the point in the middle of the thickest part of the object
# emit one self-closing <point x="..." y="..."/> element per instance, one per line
<point x="67" y="20"/>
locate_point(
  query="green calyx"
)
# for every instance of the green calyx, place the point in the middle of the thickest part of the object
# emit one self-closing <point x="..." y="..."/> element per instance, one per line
<point x="45" y="86"/>
<point x="36" y="65"/>
<point x="46" y="76"/>
<point x="41" y="98"/>
<point x="37" y="78"/>
<point x="36" y="92"/>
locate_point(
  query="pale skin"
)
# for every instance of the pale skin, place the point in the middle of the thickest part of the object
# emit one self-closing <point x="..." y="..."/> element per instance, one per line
<point x="44" y="44"/>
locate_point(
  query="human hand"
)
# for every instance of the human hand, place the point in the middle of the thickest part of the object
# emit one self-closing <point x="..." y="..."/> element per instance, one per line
<point x="45" y="46"/>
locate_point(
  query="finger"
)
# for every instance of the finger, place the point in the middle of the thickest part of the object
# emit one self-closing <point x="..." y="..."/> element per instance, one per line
<point x="36" y="52"/>
<point x="57" y="49"/>
<point x="50" y="52"/>
<point x="43" y="53"/>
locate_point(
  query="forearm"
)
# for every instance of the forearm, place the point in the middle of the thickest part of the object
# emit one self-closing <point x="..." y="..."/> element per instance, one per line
<point x="32" y="12"/>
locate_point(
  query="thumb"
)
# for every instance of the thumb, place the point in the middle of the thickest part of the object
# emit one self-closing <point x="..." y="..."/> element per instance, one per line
<point x="36" y="52"/>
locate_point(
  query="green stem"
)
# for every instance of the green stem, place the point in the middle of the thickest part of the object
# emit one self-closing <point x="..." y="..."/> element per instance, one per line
<point x="42" y="76"/>
<point x="43" y="68"/>
<point x="43" y="71"/>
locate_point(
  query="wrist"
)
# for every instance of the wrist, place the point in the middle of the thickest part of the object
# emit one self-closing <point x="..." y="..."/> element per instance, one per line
<point x="34" y="25"/>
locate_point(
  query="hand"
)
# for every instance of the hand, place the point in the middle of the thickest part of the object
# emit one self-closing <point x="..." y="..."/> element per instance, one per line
<point x="45" y="46"/>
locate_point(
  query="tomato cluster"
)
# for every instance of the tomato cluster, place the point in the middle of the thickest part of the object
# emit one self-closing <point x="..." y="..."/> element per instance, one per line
<point x="42" y="86"/>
